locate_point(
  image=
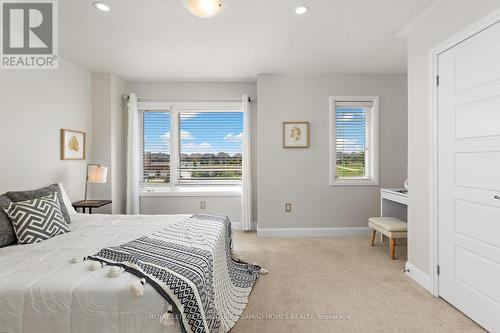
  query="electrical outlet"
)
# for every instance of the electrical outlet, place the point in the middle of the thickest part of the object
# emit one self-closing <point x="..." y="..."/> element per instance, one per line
<point x="288" y="207"/>
<point x="203" y="204"/>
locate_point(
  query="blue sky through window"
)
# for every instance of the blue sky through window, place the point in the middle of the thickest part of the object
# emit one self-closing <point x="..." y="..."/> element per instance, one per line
<point x="350" y="129"/>
<point x="211" y="132"/>
<point x="157" y="132"/>
<point x="201" y="132"/>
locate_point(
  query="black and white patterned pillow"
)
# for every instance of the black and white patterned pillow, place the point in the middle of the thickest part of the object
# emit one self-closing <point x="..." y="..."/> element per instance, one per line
<point x="37" y="220"/>
<point x="42" y="192"/>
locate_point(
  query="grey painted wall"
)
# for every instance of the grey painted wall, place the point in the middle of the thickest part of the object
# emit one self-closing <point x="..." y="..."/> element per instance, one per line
<point x="108" y="135"/>
<point x="118" y="145"/>
<point x="444" y="22"/>
<point x="231" y="205"/>
<point x="301" y="176"/>
<point x="34" y="106"/>
<point x="101" y="135"/>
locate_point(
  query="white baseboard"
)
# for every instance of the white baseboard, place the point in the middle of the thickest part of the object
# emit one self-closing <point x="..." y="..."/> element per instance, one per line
<point x="312" y="232"/>
<point x="419" y="277"/>
<point x="237" y="225"/>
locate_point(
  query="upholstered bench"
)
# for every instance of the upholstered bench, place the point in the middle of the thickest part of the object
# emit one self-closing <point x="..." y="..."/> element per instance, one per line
<point x="390" y="227"/>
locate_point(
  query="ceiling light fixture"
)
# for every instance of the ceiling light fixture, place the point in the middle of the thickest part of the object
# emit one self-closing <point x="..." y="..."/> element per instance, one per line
<point x="301" y="10"/>
<point x="203" y="8"/>
<point x="101" y="6"/>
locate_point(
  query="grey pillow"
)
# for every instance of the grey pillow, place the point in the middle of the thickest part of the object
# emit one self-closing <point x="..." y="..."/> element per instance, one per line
<point x="7" y="235"/>
<point x="42" y="192"/>
<point x="38" y="219"/>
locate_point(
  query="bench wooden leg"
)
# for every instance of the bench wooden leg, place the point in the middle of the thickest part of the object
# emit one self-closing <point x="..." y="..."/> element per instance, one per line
<point x="392" y="248"/>
<point x="372" y="237"/>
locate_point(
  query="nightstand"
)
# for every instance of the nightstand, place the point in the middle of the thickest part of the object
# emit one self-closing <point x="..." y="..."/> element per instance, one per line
<point x="90" y="204"/>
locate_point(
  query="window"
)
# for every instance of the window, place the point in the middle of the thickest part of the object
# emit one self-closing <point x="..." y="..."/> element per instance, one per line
<point x="156" y="147"/>
<point x="354" y="141"/>
<point x="210" y="147"/>
<point x="192" y="147"/>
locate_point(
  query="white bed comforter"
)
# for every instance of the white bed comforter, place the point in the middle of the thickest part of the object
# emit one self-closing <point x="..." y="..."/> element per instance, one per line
<point x="42" y="291"/>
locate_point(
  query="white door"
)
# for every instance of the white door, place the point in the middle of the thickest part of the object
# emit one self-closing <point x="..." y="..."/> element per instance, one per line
<point x="469" y="177"/>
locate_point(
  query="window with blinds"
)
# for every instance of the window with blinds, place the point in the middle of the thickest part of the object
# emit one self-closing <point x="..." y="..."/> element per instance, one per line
<point x="210" y="147"/>
<point x="354" y="151"/>
<point x="156" y="147"/>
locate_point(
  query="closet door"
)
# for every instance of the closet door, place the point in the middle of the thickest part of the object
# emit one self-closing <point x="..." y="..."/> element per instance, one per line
<point x="469" y="177"/>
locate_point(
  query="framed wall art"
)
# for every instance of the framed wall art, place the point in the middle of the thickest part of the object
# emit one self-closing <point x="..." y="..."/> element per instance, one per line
<point x="296" y="134"/>
<point x="73" y="144"/>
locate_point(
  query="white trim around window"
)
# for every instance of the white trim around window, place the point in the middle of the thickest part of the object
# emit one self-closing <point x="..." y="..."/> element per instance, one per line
<point x="194" y="106"/>
<point x="371" y="176"/>
<point x="177" y="187"/>
<point x="190" y="191"/>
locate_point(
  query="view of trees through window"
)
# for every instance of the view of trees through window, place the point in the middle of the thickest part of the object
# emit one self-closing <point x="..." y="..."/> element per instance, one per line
<point x="351" y="124"/>
<point x="209" y="147"/>
<point x="156" y="147"/>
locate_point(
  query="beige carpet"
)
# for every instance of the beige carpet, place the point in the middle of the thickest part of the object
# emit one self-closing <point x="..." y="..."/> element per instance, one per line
<point x="338" y="284"/>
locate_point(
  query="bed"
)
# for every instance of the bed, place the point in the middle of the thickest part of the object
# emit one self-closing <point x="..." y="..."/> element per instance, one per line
<point x="42" y="290"/>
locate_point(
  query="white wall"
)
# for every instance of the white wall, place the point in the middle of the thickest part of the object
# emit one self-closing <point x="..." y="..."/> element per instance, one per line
<point x="108" y="135"/>
<point x="229" y="205"/>
<point x="301" y="176"/>
<point x="447" y="19"/>
<point x="34" y="106"/>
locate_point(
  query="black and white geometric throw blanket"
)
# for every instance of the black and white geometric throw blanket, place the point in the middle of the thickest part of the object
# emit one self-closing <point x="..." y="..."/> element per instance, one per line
<point x="190" y="264"/>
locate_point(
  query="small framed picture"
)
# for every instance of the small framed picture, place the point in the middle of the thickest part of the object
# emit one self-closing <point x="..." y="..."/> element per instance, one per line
<point x="296" y="134"/>
<point x="73" y="144"/>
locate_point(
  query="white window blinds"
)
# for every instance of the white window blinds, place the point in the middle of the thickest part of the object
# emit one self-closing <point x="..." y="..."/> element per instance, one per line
<point x="354" y="140"/>
<point x="210" y="147"/>
<point x="155" y="147"/>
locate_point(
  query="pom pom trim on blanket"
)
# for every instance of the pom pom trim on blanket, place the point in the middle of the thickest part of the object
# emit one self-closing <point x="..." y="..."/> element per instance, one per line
<point x="181" y="262"/>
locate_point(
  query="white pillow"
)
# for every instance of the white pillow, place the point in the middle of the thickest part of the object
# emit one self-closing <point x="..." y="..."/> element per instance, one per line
<point x="67" y="201"/>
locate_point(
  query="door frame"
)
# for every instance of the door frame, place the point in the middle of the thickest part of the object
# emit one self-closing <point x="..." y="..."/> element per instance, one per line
<point x="460" y="37"/>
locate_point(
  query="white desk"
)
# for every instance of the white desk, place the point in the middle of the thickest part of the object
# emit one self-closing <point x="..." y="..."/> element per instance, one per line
<point x="394" y="203"/>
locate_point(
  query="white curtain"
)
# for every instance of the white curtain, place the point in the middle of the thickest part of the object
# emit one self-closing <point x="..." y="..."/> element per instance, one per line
<point x="246" y="190"/>
<point x="133" y="166"/>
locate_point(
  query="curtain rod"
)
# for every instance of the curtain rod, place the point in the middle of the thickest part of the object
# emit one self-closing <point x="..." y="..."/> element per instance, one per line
<point x="179" y="99"/>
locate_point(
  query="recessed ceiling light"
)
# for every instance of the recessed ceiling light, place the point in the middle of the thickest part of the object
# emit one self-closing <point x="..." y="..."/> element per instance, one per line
<point x="301" y="10"/>
<point x="101" y="6"/>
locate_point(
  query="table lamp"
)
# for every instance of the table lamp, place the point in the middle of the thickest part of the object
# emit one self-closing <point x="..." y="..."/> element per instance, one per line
<point x="97" y="174"/>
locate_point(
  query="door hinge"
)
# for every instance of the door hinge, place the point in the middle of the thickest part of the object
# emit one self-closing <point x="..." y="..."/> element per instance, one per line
<point x="438" y="269"/>
<point x="437" y="80"/>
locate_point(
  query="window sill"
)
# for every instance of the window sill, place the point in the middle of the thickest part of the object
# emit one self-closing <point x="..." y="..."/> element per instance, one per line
<point x="354" y="182"/>
<point x="191" y="191"/>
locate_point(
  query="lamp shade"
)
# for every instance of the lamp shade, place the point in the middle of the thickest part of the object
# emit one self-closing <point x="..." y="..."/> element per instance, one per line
<point x="97" y="174"/>
<point x="203" y="8"/>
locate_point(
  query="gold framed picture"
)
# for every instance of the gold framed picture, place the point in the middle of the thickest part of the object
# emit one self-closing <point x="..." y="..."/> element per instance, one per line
<point x="296" y="134"/>
<point x="73" y="144"/>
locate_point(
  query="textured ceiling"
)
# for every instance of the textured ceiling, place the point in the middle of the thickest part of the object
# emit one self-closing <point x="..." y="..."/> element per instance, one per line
<point x="160" y="40"/>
